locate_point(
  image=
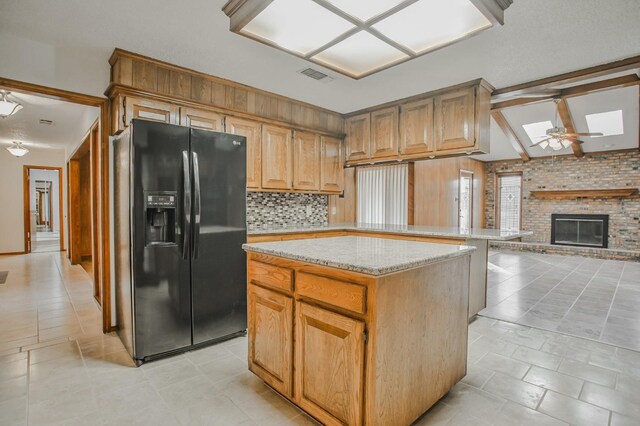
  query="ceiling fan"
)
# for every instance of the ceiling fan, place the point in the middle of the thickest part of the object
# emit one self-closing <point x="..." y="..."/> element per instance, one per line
<point x="557" y="137"/>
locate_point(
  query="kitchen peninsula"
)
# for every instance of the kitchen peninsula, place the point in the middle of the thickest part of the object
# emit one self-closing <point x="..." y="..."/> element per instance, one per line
<point x="475" y="237"/>
<point x="359" y="330"/>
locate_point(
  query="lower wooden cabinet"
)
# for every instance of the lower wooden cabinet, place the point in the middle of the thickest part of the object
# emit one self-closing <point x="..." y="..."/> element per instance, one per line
<point x="271" y="342"/>
<point x="329" y="361"/>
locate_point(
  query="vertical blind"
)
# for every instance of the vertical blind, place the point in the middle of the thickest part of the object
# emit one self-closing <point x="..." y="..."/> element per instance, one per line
<point x="383" y="194"/>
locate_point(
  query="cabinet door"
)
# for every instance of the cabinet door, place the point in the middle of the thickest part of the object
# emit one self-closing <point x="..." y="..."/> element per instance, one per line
<point x="331" y="164"/>
<point x="277" y="158"/>
<point x="271" y="337"/>
<point x="306" y="161"/>
<point x="329" y="365"/>
<point x="201" y="119"/>
<point x="416" y="127"/>
<point x="384" y="133"/>
<point x="358" y="137"/>
<point x="147" y="109"/>
<point x="251" y="130"/>
<point x="455" y="120"/>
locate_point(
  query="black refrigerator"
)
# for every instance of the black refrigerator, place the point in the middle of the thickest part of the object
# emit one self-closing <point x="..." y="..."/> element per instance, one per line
<point x="179" y="225"/>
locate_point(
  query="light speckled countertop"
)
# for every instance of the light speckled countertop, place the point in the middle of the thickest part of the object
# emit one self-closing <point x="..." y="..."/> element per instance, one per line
<point x="427" y="231"/>
<point x="367" y="255"/>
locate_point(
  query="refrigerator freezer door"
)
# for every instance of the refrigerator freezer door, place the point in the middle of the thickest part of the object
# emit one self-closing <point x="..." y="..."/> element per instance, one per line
<point x="219" y="271"/>
<point x="162" y="297"/>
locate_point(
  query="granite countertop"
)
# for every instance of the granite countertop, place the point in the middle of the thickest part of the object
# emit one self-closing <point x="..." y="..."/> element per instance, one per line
<point x="427" y="231"/>
<point x="367" y="255"/>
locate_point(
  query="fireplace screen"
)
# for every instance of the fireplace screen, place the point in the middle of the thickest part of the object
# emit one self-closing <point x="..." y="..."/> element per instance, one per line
<point x="588" y="230"/>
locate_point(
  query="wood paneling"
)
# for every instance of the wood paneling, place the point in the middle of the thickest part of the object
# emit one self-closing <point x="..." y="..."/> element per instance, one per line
<point x="416" y="127"/>
<point x="74" y="224"/>
<point x="455" y="120"/>
<point x="331" y="164"/>
<point x="358" y="129"/>
<point x="384" y="133"/>
<point x="253" y="132"/>
<point x="329" y="365"/>
<point x="342" y="208"/>
<point x="306" y="161"/>
<point x="201" y="119"/>
<point x="271" y="341"/>
<point x="277" y="158"/>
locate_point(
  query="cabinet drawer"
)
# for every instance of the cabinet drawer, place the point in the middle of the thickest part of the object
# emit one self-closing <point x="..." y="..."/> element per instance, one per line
<point x="270" y="276"/>
<point x="343" y="294"/>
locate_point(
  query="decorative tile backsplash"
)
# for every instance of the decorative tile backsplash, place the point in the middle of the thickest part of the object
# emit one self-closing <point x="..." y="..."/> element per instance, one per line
<point x="282" y="208"/>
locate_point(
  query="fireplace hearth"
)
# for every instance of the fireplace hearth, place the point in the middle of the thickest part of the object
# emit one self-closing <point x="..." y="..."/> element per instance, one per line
<point x="581" y="230"/>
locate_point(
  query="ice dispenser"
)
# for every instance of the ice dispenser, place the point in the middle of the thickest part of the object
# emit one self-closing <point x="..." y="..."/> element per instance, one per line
<point x="160" y="216"/>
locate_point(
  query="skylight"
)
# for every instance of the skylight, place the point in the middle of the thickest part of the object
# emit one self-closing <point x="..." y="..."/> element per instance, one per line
<point x="360" y="37"/>
<point x="537" y="131"/>
<point x="608" y="123"/>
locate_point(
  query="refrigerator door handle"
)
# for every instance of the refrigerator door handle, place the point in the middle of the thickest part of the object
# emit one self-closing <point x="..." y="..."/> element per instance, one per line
<point x="197" y="206"/>
<point x="187" y="205"/>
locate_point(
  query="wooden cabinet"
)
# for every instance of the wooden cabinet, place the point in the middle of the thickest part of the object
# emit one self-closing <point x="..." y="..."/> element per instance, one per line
<point x="416" y="127"/>
<point x="277" y="157"/>
<point x="455" y="120"/>
<point x="329" y="362"/>
<point x="270" y="317"/>
<point x="331" y="165"/>
<point x="306" y="161"/>
<point x="358" y="137"/>
<point x="201" y="119"/>
<point x="252" y="131"/>
<point x="128" y="107"/>
<point x="384" y="133"/>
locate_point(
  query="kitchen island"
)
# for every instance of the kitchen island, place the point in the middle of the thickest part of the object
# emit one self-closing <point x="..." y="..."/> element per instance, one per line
<point x="358" y="330"/>
<point x="478" y="238"/>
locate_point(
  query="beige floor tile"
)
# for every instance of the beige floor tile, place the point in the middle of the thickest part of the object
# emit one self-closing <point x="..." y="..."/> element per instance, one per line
<point x="208" y="354"/>
<point x="515" y="390"/>
<point x="438" y="415"/>
<point x="504" y="365"/>
<point x="218" y="410"/>
<point x="188" y="392"/>
<point x="552" y="380"/>
<point x="612" y="400"/>
<point x="172" y="373"/>
<point x="268" y="406"/>
<point x="13" y="388"/>
<point x="539" y="358"/>
<point x="467" y="398"/>
<point x="515" y="414"/>
<point x="588" y="372"/>
<point x="13" y="369"/>
<point x="223" y="368"/>
<point x="620" y="420"/>
<point x="13" y="412"/>
<point x="63" y="406"/>
<point x="573" y="411"/>
<point x="59" y="350"/>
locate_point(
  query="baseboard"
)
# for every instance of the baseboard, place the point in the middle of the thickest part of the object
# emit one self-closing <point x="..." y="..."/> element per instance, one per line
<point x="12" y="253"/>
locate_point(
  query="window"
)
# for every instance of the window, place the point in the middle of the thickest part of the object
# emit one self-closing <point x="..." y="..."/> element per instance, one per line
<point x="509" y="202"/>
<point x="383" y="194"/>
<point x="465" y="200"/>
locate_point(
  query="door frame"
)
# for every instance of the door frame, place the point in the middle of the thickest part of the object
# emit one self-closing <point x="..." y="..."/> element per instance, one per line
<point x="26" y="187"/>
<point x="103" y="197"/>
<point x="461" y="173"/>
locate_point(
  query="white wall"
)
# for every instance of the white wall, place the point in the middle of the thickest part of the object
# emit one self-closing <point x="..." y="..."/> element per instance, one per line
<point x="12" y="194"/>
<point x="51" y="176"/>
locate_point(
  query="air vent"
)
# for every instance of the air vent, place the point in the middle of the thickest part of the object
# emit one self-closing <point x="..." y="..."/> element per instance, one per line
<point x="46" y="122"/>
<point x="315" y="74"/>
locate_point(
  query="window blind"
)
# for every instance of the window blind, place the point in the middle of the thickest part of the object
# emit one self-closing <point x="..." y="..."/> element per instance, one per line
<point x="510" y="195"/>
<point x="383" y="194"/>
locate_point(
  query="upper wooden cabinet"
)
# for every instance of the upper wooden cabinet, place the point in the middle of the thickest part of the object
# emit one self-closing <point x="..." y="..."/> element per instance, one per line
<point x="384" y="133"/>
<point x="201" y="119"/>
<point x="306" y="161"/>
<point x="455" y="120"/>
<point x="358" y="137"/>
<point x="416" y="127"/>
<point x="126" y="108"/>
<point x="331" y="165"/>
<point x="252" y="131"/>
<point x="277" y="158"/>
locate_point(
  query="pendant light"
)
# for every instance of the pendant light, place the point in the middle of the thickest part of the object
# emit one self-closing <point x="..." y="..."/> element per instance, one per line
<point x="17" y="149"/>
<point x="7" y="106"/>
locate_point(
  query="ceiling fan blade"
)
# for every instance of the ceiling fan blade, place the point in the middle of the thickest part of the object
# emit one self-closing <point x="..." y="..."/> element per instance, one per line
<point x="539" y="142"/>
<point x="585" y="134"/>
<point x="574" y="140"/>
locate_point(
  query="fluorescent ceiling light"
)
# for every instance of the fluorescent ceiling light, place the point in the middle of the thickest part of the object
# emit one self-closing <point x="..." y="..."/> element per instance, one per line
<point x="283" y="23"/>
<point x="537" y="131"/>
<point x="372" y="53"/>
<point x="608" y="123"/>
<point x="426" y="25"/>
<point x="365" y="9"/>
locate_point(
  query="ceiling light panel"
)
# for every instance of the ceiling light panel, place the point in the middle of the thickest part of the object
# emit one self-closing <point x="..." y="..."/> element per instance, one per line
<point x="359" y="54"/>
<point x="283" y="23"/>
<point x="608" y="123"/>
<point x="537" y="131"/>
<point x="365" y="9"/>
<point x="428" y="24"/>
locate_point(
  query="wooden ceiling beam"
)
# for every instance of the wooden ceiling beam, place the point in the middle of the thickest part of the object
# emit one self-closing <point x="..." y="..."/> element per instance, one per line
<point x="499" y="117"/>
<point x="567" y="122"/>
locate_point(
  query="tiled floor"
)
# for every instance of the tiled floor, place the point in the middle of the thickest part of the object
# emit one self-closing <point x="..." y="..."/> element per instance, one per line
<point x="592" y="298"/>
<point x="74" y="375"/>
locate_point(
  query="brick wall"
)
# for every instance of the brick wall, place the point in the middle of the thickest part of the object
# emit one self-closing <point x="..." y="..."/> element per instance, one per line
<point x="614" y="170"/>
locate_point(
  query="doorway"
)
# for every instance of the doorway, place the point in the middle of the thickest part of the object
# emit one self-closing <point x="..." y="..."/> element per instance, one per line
<point x="465" y="199"/>
<point x="43" y="209"/>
